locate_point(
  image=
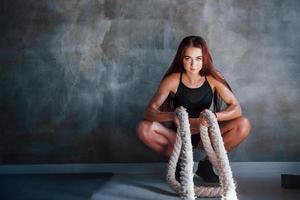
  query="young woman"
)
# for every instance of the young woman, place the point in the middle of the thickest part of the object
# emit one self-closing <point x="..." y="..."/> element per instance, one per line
<point x="193" y="82"/>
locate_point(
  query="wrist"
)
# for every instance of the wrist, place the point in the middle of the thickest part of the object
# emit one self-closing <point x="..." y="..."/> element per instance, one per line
<point x="173" y="115"/>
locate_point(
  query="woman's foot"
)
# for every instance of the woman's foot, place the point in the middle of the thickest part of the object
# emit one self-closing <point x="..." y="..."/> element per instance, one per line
<point x="205" y="171"/>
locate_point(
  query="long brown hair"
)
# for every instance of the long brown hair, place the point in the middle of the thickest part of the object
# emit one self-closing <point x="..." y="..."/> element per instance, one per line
<point x="208" y="68"/>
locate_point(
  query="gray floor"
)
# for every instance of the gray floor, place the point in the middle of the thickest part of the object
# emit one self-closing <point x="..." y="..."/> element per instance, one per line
<point x="255" y="181"/>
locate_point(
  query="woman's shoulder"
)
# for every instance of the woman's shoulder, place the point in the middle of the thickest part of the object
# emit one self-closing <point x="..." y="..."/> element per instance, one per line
<point x="171" y="81"/>
<point x="174" y="77"/>
<point x="212" y="81"/>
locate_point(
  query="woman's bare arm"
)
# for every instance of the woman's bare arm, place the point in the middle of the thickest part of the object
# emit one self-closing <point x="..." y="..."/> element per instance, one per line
<point x="233" y="109"/>
<point x="152" y="111"/>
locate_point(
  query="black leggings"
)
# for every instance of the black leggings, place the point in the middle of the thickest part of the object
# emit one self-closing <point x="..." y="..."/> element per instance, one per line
<point x="195" y="140"/>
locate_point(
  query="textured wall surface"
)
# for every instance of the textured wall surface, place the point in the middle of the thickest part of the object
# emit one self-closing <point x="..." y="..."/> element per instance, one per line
<point x="76" y="76"/>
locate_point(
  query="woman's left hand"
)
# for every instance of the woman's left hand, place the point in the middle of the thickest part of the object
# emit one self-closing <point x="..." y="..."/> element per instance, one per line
<point x="203" y="121"/>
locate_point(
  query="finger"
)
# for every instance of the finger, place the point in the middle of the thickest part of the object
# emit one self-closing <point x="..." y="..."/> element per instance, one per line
<point x="204" y="123"/>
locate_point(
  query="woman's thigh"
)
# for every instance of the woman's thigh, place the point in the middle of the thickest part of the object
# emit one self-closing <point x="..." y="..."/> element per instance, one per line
<point x="228" y="125"/>
<point x="158" y="129"/>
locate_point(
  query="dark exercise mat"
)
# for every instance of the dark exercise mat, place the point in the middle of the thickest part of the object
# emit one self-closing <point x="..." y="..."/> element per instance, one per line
<point x="290" y="181"/>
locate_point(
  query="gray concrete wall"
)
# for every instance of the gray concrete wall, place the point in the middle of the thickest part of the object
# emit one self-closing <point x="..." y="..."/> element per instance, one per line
<point x="76" y="76"/>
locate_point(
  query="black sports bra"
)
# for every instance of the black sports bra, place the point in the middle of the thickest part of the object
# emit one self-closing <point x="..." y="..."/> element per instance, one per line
<point x="194" y="100"/>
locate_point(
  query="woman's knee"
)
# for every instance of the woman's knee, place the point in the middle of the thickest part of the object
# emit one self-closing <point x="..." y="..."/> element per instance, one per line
<point x="244" y="127"/>
<point x="143" y="128"/>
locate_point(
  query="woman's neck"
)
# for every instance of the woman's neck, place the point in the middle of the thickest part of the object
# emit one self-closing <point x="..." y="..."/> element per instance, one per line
<point x="193" y="78"/>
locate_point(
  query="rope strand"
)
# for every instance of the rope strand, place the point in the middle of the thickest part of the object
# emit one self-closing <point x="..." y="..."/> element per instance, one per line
<point x="217" y="155"/>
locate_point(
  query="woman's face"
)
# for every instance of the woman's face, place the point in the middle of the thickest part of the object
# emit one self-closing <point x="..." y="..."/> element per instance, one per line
<point x="192" y="60"/>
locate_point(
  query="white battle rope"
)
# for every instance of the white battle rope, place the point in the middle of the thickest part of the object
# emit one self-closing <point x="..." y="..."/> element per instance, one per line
<point x="217" y="155"/>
